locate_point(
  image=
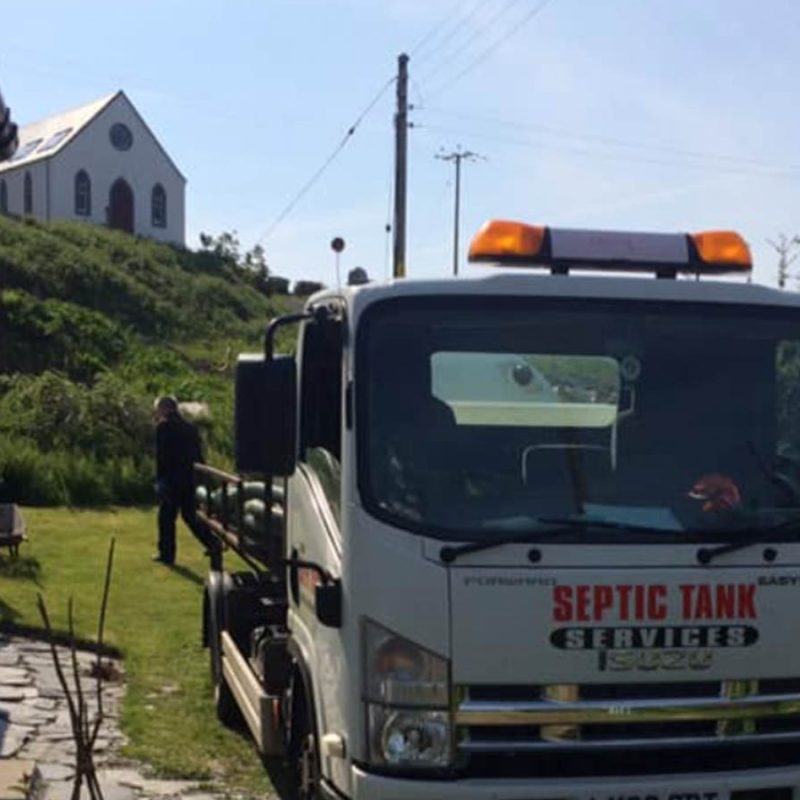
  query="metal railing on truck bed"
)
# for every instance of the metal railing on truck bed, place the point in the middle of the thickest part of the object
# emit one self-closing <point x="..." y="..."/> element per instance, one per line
<point x="246" y="515"/>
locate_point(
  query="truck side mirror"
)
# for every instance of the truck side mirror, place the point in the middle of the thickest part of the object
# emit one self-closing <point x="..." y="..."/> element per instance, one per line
<point x="265" y="416"/>
<point x="328" y="602"/>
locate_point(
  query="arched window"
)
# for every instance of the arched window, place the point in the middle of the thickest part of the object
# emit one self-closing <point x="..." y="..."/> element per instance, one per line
<point x="83" y="194"/>
<point x="3" y="198"/>
<point x="158" y="202"/>
<point x="27" y="194"/>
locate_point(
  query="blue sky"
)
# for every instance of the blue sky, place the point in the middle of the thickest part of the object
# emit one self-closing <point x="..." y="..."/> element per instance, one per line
<point x="624" y="114"/>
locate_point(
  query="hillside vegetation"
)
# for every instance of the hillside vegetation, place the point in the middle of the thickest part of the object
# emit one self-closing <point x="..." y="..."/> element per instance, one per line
<point x="93" y="325"/>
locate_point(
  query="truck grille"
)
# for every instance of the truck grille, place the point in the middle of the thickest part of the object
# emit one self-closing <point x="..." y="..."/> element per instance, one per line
<point x="628" y="728"/>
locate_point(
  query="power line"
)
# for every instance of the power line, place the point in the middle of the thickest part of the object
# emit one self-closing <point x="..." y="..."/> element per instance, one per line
<point x="479" y="32"/>
<point x="457" y="28"/>
<point x="535" y="11"/>
<point x="387" y="227"/>
<point x="325" y="164"/>
<point x="431" y="34"/>
<point x="769" y="171"/>
<point x="562" y="133"/>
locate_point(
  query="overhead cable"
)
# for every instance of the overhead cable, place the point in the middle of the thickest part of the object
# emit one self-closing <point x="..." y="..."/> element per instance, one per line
<point x="610" y="141"/>
<point x="479" y="32"/>
<point x="475" y="63"/>
<point x="433" y="32"/>
<point x="460" y="24"/>
<point x="325" y="164"/>
<point x="770" y="170"/>
<point x="387" y="227"/>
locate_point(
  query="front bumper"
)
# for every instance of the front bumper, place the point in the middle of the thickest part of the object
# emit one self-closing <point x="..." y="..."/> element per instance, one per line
<point x="758" y="784"/>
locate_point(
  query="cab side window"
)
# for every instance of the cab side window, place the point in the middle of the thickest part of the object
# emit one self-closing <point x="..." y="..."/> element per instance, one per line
<point x="321" y="406"/>
<point x="321" y="388"/>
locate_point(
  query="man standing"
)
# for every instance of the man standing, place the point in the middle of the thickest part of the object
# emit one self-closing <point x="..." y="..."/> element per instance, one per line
<point x="178" y="448"/>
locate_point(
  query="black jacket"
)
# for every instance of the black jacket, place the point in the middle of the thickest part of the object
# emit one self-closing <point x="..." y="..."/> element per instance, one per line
<point x="177" y="449"/>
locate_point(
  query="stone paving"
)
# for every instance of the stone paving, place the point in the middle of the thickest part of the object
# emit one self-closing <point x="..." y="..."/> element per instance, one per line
<point x="35" y="727"/>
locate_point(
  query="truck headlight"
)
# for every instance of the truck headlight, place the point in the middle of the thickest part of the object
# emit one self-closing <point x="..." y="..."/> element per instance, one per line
<point x="409" y="737"/>
<point x="408" y="701"/>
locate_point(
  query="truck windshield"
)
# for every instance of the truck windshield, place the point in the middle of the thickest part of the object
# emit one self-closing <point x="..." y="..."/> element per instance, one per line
<point x="476" y="419"/>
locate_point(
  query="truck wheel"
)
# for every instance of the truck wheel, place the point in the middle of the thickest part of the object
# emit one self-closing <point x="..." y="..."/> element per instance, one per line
<point x="308" y="769"/>
<point x="305" y="749"/>
<point x="228" y="712"/>
<point x="214" y="654"/>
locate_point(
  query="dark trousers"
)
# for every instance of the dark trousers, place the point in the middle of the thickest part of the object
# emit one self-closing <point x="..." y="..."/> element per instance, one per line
<point x="171" y="503"/>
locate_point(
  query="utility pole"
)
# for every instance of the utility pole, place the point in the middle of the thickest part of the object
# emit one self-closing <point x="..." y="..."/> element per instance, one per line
<point x="783" y="247"/>
<point x="457" y="157"/>
<point x="400" y="167"/>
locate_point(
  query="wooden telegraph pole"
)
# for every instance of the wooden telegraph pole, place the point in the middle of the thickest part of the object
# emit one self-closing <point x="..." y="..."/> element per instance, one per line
<point x="457" y="157"/>
<point x="400" y="167"/>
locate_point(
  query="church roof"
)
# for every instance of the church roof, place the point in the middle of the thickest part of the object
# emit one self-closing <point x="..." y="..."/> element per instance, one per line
<point x="43" y="139"/>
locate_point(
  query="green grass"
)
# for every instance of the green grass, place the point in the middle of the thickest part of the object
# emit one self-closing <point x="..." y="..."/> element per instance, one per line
<point x="153" y="617"/>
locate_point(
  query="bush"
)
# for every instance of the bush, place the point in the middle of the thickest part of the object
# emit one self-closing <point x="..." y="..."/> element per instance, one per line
<point x="32" y="477"/>
<point x="28" y="475"/>
<point x="306" y="288"/>
<point x="49" y="334"/>
<point x="94" y="324"/>
<point x="153" y="288"/>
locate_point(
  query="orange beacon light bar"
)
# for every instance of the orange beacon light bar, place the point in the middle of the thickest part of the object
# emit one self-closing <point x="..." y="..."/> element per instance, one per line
<point x="517" y="244"/>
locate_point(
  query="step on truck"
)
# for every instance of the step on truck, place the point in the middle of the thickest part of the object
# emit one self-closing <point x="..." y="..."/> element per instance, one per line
<point x="531" y="536"/>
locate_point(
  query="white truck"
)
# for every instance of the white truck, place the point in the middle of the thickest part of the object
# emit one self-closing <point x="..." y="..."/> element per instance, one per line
<point x="524" y="537"/>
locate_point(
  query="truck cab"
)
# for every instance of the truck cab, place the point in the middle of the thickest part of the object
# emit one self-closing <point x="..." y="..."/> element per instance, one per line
<point x="523" y="536"/>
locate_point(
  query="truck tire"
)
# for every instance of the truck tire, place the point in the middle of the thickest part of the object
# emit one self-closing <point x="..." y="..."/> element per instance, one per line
<point x="225" y="706"/>
<point x="211" y="639"/>
<point x="227" y="710"/>
<point x="304" y="748"/>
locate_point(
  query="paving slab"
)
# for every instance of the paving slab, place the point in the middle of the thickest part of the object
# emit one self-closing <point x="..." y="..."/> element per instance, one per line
<point x="56" y="772"/>
<point x="35" y="726"/>
<point x="24" y="713"/>
<point x="15" y="676"/>
<point x="12" y="738"/>
<point x="45" y="703"/>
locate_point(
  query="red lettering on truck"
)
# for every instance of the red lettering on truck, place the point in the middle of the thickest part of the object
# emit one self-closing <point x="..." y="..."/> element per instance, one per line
<point x="586" y="603"/>
<point x="655" y="602"/>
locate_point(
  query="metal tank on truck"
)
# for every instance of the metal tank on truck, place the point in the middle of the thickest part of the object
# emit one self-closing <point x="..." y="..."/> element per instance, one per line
<point x="528" y="536"/>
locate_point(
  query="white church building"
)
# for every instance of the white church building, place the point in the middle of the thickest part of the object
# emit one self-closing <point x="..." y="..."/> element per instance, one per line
<point x="99" y="163"/>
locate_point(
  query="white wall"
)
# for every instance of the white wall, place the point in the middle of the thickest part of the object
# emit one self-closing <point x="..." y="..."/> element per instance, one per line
<point x="15" y="181"/>
<point x="144" y="165"/>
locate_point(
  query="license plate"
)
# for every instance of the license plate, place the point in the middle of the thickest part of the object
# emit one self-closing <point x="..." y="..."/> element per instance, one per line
<point x="772" y="793"/>
<point x="668" y="795"/>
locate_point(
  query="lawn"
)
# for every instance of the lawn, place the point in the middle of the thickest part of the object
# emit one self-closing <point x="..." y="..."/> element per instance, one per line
<point x="153" y="617"/>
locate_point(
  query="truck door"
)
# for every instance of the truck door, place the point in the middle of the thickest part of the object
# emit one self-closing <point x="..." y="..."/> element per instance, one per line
<point x="313" y="533"/>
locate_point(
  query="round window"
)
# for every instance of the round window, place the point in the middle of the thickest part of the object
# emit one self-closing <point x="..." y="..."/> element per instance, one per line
<point x="121" y="136"/>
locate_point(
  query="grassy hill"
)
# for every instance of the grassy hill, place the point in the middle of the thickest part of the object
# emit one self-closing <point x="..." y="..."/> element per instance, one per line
<point x="93" y="324"/>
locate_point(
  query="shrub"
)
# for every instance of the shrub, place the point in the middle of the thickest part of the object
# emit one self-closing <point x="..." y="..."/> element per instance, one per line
<point x="28" y="475"/>
<point x="94" y="324"/>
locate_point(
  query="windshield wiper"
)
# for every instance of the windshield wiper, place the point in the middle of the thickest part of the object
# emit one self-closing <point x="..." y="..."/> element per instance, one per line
<point x="705" y="555"/>
<point x="449" y="553"/>
<point x="573" y="523"/>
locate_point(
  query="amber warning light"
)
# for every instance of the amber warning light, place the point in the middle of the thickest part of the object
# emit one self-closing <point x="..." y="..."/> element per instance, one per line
<point x="517" y="244"/>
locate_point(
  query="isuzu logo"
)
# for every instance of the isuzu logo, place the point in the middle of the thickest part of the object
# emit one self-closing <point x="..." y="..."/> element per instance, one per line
<point x="654" y="660"/>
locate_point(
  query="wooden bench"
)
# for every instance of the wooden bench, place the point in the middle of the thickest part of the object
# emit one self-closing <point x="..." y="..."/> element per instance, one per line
<point x="12" y="528"/>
